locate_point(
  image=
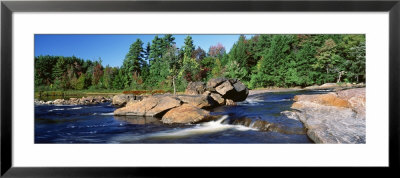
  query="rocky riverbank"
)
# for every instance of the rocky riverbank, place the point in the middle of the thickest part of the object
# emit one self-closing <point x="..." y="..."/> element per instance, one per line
<point x="335" y="86"/>
<point x="76" y="101"/>
<point x="335" y="117"/>
<point x="325" y="87"/>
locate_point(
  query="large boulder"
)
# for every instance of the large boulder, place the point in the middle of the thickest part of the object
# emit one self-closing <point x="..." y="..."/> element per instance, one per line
<point x="225" y="89"/>
<point x="329" y="99"/>
<point x="150" y="106"/>
<point x="214" y="82"/>
<point x="186" y="114"/>
<point x="195" y="88"/>
<point x="337" y="117"/>
<point x="355" y="98"/>
<point x="138" y="120"/>
<point x="241" y="91"/>
<point x="231" y="89"/>
<point x="122" y="99"/>
<point x="218" y="98"/>
<point x="200" y="101"/>
<point x="229" y="102"/>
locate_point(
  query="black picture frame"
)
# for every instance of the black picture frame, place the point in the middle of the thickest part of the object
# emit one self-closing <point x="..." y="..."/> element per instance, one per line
<point x="8" y="7"/>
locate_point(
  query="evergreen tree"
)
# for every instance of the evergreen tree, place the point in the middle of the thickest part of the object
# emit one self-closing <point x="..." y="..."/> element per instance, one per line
<point x="80" y="85"/>
<point x="159" y="67"/>
<point x="188" y="47"/>
<point x="238" y="58"/>
<point x="59" y="69"/>
<point x="118" y="82"/>
<point x="269" y="68"/>
<point x="262" y="60"/>
<point x="133" y="61"/>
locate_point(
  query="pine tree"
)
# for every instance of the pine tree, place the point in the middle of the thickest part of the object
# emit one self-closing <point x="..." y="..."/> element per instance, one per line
<point x="272" y="64"/>
<point x="60" y="68"/>
<point x="80" y="85"/>
<point x="188" y="47"/>
<point x="133" y="61"/>
<point x="238" y="59"/>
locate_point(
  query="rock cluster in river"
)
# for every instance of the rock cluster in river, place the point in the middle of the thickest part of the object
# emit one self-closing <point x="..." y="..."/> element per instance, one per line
<point x="222" y="90"/>
<point x="336" y="117"/>
<point x="76" y="101"/>
<point x="170" y="108"/>
<point x="187" y="108"/>
<point x="122" y="99"/>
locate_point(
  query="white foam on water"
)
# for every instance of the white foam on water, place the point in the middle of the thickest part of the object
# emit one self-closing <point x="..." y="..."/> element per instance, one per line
<point x="273" y="101"/>
<point x="254" y="100"/>
<point x="104" y="114"/>
<point x="57" y="109"/>
<point x="199" y="129"/>
<point x="64" y="105"/>
<point x="107" y="114"/>
<point x="76" y="108"/>
<point x="257" y="101"/>
<point x="250" y="101"/>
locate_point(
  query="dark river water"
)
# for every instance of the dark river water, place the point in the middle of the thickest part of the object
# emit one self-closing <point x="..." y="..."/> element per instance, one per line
<point x="96" y="124"/>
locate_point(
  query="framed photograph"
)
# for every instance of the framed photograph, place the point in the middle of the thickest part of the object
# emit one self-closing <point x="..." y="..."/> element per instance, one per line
<point x="112" y="88"/>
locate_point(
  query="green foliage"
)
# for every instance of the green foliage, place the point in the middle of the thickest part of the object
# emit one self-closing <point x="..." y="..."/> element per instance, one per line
<point x="60" y="68"/>
<point x="238" y="59"/>
<point x="80" y="85"/>
<point x="107" y="80"/>
<point x="217" y="70"/>
<point x="261" y="61"/>
<point x="273" y="64"/>
<point x="118" y="82"/>
<point x="189" y="69"/>
<point x="188" y="48"/>
<point x="133" y="61"/>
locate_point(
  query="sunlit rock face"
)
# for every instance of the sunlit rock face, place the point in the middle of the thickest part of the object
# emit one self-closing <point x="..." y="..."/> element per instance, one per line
<point x="150" y="106"/>
<point x="336" y="117"/>
<point x="186" y="114"/>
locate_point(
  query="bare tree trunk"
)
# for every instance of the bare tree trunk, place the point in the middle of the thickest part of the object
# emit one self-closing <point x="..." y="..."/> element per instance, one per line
<point x="340" y="76"/>
<point x="173" y="83"/>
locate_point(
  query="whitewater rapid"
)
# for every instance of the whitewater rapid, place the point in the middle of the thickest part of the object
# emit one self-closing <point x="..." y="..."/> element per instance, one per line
<point x="198" y="129"/>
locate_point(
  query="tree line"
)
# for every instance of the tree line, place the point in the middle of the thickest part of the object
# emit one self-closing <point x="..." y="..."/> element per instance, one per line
<point x="260" y="61"/>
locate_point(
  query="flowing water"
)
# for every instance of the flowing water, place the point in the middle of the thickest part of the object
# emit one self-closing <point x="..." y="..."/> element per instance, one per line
<point x="96" y="124"/>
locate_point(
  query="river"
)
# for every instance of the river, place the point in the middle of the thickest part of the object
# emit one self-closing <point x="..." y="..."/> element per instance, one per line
<point x="96" y="124"/>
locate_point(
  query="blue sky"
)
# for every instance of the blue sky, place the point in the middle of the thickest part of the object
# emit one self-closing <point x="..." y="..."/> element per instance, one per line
<point x="113" y="48"/>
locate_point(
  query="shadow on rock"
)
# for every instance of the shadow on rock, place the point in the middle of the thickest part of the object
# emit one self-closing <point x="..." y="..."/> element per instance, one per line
<point x="138" y="120"/>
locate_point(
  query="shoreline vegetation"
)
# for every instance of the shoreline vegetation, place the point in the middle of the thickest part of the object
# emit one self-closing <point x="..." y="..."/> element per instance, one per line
<point x="71" y="94"/>
<point x="259" y="61"/>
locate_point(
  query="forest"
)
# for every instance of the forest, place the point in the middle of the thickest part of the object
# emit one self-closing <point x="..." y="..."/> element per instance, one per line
<point x="266" y="60"/>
